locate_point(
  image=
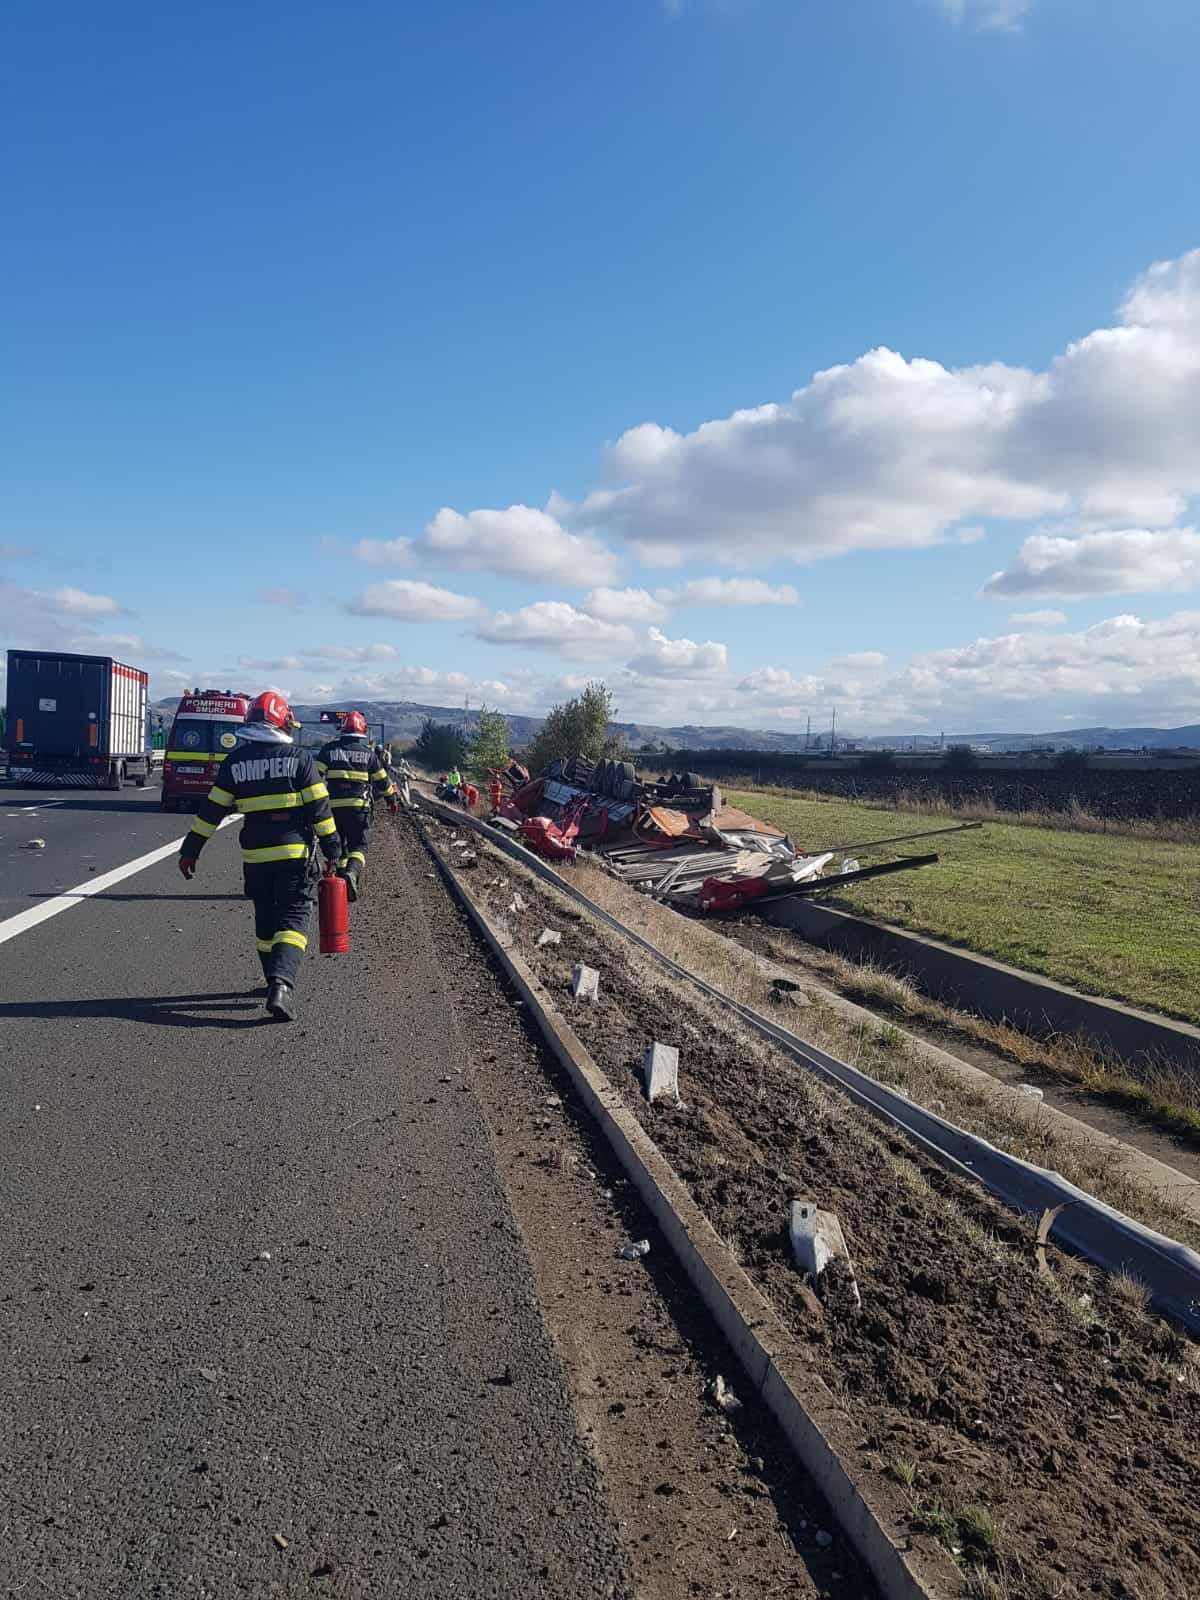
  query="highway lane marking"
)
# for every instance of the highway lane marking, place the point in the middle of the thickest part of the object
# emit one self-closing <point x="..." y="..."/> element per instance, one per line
<point x="24" y="920"/>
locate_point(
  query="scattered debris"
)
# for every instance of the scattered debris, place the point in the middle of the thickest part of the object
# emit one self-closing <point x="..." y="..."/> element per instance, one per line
<point x="824" y="1539"/>
<point x="675" y="838"/>
<point x="264" y="1255"/>
<point x="281" y="1542"/>
<point x="549" y="936"/>
<point x="517" y="904"/>
<point x="817" y="1239"/>
<point x="585" y="983"/>
<point x="723" y="1397"/>
<point x="36" y="844"/>
<point x="1028" y="1091"/>
<point x="209" y="1374"/>
<point x="554" y="1101"/>
<point x="636" y="1250"/>
<point x="660" y="1072"/>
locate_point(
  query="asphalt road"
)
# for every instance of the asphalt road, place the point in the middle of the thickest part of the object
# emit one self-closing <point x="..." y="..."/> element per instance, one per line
<point x="266" y="1325"/>
<point x="86" y="830"/>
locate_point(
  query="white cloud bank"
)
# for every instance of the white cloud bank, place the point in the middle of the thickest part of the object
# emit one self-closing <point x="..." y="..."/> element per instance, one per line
<point x="1123" y="561"/>
<point x="887" y="453"/>
<point x="555" y="626"/>
<point x="519" y="542"/>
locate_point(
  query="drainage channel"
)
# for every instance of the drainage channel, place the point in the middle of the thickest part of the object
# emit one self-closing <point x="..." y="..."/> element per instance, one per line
<point x="1099" y="1233"/>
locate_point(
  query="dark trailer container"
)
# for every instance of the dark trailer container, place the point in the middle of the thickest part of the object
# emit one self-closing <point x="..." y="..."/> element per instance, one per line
<point x="77" y="720"/>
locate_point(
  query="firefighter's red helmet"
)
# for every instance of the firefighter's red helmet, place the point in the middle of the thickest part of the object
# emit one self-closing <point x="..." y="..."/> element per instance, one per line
<point x="355" y="722"/>
<point x="272" y="708"/>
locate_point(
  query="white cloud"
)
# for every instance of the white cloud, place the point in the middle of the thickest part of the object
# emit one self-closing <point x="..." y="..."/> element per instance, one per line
<point x="411" y="601"/>
<point x="730" y="592"/>
<point x="626" y="605"/>
<point x="1038" y="619"/>
<point x="356" y="652"/>
<point x="892" y="453"/>
<point x="1123" y="561"/>
<point x="554" y="625"/>
<point x="679" y="658"/>
<point x="424" y="684"/>
<point x="77" y="603"/>
<point x="520" y="542"/>
<point x="384" y="552"/>
<point x="72" y="619"/>
<point x="1120" y="670"/>
<point x="1004" y="16"/>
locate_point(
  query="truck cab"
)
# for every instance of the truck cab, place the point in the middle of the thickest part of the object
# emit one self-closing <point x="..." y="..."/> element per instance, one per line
<point x="204" y="730"/>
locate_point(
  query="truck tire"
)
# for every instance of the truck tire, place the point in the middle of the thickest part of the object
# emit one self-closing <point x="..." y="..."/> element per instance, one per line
<point x="140" y="780"/>
<point x="116" y="774"/>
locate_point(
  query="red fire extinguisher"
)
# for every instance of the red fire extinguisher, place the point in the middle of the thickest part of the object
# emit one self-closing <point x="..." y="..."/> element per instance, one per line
<point x="334" y="914"/>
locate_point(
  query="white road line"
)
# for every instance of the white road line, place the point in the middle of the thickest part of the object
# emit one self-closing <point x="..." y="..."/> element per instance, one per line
<point x="24" y="920"/>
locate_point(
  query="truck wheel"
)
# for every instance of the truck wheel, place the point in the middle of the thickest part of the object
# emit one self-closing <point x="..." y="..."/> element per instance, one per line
<point x="115" y="773"/>
<point x="140" y="780"/>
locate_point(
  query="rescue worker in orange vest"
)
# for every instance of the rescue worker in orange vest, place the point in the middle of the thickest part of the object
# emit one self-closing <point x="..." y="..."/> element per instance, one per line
<point x="495" y="793"/>
<point x="355" y="773"/>
<point x="275" y="786"/>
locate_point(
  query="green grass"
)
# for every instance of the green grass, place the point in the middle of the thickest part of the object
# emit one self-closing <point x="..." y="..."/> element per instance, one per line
<point x="1110" y="915"/>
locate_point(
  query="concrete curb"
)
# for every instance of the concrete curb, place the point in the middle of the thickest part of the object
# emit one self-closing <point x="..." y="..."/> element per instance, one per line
<point x="771" y="1358"/>
<point x="996" y="991"/>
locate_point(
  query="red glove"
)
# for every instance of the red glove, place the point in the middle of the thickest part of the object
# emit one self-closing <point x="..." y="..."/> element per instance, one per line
<point x="393" y="806"/>
<point x="187" y="865"/>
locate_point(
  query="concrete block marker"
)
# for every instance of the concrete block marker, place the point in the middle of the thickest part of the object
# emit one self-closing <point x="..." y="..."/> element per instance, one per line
<point x="549" y="936"/>
<point x="817" y="1239"/>
<point x="660" y="1072"/>
<point x="585" y="983"/>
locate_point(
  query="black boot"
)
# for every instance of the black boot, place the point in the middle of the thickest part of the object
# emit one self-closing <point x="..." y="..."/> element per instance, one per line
<point x="351" y="881"/>
<point x="281" y="1001"/>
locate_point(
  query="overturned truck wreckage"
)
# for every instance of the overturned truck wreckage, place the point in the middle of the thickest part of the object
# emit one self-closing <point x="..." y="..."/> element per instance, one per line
<point x="675" y="838"/>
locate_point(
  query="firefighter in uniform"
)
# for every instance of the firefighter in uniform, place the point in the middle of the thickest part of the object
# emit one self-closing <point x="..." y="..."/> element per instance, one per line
<point x="285" y="805"/>
<point x="354" y="771"/>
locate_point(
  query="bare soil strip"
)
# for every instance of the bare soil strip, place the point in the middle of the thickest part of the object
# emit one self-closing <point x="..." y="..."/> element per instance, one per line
<point x="1045" y="1427"/>
<point x="709" y="1503"/>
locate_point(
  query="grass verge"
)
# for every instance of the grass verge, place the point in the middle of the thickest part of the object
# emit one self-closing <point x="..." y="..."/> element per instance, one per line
<point x="1157" y="1092"/>
<point x="1107" y="914"/>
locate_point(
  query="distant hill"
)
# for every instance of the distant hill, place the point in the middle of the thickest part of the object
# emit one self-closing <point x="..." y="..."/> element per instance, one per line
<point x="402" y="720"/>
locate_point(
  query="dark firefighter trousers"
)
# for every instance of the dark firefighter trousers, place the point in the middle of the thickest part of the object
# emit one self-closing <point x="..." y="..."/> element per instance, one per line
<point x="354" y="828"/>
<point x="283" y="893"/>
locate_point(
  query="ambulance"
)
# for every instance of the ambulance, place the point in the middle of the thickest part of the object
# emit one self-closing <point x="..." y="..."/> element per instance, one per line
<point x="203" y="733"/>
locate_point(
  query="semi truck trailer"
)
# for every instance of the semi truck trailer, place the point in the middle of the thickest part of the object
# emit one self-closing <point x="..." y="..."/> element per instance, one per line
<point x="75" y="720"/>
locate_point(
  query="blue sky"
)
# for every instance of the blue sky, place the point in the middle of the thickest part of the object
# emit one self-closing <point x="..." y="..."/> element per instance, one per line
<point x="283" y="282"/>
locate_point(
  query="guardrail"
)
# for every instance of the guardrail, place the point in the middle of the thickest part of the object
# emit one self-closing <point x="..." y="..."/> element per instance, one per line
<point x="1106" y="1237"/>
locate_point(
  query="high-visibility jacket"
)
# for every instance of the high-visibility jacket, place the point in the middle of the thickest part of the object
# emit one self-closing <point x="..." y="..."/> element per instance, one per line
<point x="282" y="798"/>
<point x="354" y="771"/>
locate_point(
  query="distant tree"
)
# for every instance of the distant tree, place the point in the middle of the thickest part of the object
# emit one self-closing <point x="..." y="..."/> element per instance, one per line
<point x="960" y="758"/>
<point x="439" y="744"/>
<point x="489" y="748"/>
<point x="576" y="727"/>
